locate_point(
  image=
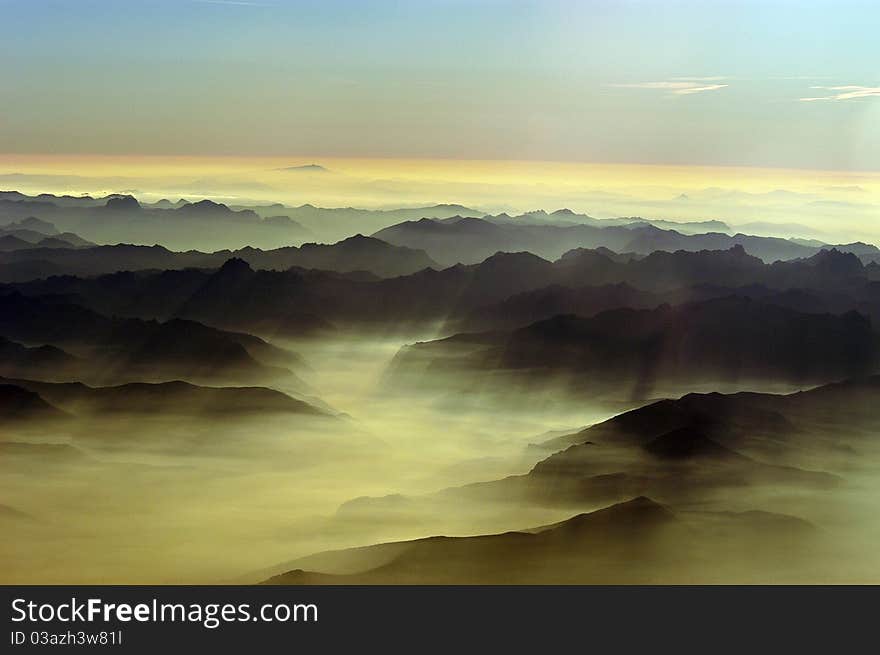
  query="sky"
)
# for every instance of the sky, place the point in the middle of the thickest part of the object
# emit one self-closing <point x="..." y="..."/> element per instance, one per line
<point x="772" y="84"/>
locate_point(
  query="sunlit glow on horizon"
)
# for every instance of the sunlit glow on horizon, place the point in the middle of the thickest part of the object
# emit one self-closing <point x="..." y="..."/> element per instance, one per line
<point x="844" y="205"/>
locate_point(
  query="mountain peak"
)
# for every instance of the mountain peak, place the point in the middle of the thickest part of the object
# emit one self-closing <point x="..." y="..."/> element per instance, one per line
<point x="685" y="443"/>
<point x="204" y="206"/>
<point x="636" y="513"/>
<point x="359" y="239"/>
<point x="235" y="266"/>
<point x="836" y="261"/>
<point x="522" y="258"/>
<point x="304" y="168"/>
<point x="122" y="203"/>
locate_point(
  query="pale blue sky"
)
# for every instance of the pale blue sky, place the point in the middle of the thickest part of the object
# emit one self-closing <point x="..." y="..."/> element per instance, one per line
<point x="657" y="82"/>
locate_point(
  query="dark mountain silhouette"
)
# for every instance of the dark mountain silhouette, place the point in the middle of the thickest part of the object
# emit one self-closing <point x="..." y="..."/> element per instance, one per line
<point x="471" y="240"/>
<point x="32" y="233"/>
<point x="444" y="559"/>
<point x="238" y="297"/>
<point x="122" y="204"/>
<point x="686" y="443"/>
<point x="45" y="362"/>
<point x="19" y="404"/>
<point x="127" y="348"/>
<point x="721" y="340"/>
<point x="164" y="399"/>
<point x="636" y="541"/>
<point x="723" y="417"/>
<point x="356" y="253"/>
<point x="527" y="307"/>
<point x="9" y="242"/>
<point x="507" y="290"/>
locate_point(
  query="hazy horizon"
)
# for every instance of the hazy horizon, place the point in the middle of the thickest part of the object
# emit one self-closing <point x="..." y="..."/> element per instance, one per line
<point x="829" y="205"/>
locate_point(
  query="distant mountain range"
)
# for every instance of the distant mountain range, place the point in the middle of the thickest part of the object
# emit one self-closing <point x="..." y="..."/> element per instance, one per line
<point x="471" y="240"/>
<point x="29" y="233"/>
<point x="330" y="224"/>
<point x="567" y="218"/>
<point x="503" y="292"/>
<point x="449" y="233"/>
<point x="357" y="253"/>
<point x="122" y="219"/>
<point x="205" y="224"/>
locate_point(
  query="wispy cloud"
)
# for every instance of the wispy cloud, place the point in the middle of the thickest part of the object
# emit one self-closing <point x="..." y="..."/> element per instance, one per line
<point x="849" y="92"/>
<point x="677" y="86"/>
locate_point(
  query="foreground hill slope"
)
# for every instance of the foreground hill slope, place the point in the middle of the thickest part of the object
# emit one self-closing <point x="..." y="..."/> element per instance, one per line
<point x="634" y="542"/>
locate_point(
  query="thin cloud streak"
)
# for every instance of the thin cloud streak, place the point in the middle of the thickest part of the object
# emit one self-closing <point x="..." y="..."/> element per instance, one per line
<point x="679" y="88"/>
<point x="848" y="92"/>
<point x="700" y="89"/>
<point x="711" y="78"/>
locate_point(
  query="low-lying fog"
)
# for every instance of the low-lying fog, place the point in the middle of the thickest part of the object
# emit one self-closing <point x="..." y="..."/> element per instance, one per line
<point x="174" y="499"/>
<point x="163" y="499"/>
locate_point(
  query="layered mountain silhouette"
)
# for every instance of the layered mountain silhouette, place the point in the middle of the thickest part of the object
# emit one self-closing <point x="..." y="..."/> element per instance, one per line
<point x="567" y="217"/>
<point x="448" y="233"/>
<point x="125" y="349"/>
<point x="723" y="339"/>
<point x="471" y="240"/>
<point x="31" y="232"/>
<point x="46" y="362"/>
<point x="121" y="218"/>
<point x="204" y="223"/>
<point x="356" y="253"/>
<point x="506" y="290"/>
<point x="332" y="224"/>
<point x="160" y="399"/>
